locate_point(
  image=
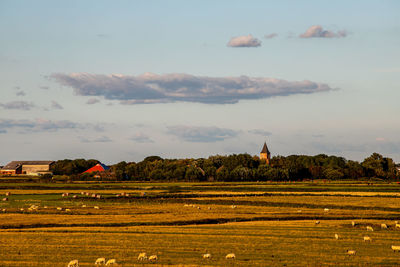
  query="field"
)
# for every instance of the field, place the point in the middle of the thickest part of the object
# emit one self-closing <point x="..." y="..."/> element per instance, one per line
<point x="264" y="224"/>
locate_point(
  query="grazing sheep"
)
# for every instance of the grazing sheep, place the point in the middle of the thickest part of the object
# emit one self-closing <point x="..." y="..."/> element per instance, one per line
<point x="233" y="206"/>
<point x="3" y="210"/>
<point x="74" y="196"/>
<point x="82" y="193"/>
<point x="45" y="207"/>
<point x="397" y="225"/>
<point x="369" y="228"/>
<point x="73" y="263"/>
<point x="96" y="207"/>
<point x="98" y="196"/>
<point x="127" y="195"/>
<point x="93" y="195"/>
<point x="351" y="252"/>
<point x="353" y="223"/>
<point x="153" y="258"/>
<point x="326" y="209"/>
<point x="100" y="261"/>
<point x="336" y="236"/>
<point x="209" y="208"/>
<point x="67" y="210"/>
<point x="142" y="256"/>
<point x="317" y="222"/>
<point x="87" y="194"/>
<point x="396" y="222"/>
<point x="112" y="261"/>
<point x="83" y="206"/>
<point x="5" y="199"/>
<point x="59" y="208"/>
<point x="367" y="238"/>
<point x="207" y="256"/>
<point x="8" y="194"/>
<point x="21" y="209"/>
<point x="230" y="256"/>
<point x="396" y="248"/>
<point x="384" y="226"/>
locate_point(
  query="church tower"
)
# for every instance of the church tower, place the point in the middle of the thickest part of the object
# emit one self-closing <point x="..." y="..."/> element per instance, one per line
<point x="265" y="154"/>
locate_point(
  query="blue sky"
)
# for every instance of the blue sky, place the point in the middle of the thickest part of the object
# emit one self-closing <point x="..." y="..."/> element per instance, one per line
<point x="122" y="80"/>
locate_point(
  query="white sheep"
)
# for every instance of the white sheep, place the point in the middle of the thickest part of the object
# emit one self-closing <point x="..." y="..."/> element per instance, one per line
<point x="326" y="209"/>
<point x="73" y="263"/>
<point x="153" y="258"/>
<point x="67" y="210"/>
<point x="111" y="262"/>
<point x="207" y="256"/>
<point x="96" y="207"/>
<point x="353" y="223"/>
<point x="233" y="206"/>
<point x="351" y="252"/>
<point x="5" y="199"/>
<point x="336" y="236"/>
<point x="369" y="228"/>
<point x="367" y="238"/>
<point x="397" y="225"/>
<point x="396" y="248"/>
<point x="384" y="226"/>
<point x="98" y="196"/>
<point x="8" y="194"/>
<point x="317" y="222"/>
<point x="100" y="261"/>
<point x="230" y="256"/>
<point x="82" y="193"/>
<point x="3" y="210"/>
<point x="59" y="208"/>
<point x="142" y="256"/>
<point x="83" y="206"/>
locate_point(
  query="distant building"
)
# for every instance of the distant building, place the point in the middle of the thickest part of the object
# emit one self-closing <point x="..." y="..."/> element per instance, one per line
<point x="265" y="154"/>
<point x="27" y="167"/>
<point x="100" y="167"/>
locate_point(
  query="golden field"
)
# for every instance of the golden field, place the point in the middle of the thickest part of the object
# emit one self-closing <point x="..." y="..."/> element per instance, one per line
<point x="264" y="224"/>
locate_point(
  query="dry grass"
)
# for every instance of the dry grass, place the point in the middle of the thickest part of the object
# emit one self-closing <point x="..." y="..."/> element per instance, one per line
<point x="274" y="230"/>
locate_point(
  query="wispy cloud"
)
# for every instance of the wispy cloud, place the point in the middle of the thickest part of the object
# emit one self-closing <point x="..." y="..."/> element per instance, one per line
<point x="141" y="138"/>
<point x="43" y="125"/>
<point x="20" y="93"/>
<point x="92" y="101"/>
<point x="152" y="88"/>
<point x="270" y="36"/>
<point x="20" y="105"/>
<point x="244" y="41"/>
<point x="316" y="31"/>
<point x="260" y="132"/>
<point x="55" y="105"/>
<point x="201" y="134"/>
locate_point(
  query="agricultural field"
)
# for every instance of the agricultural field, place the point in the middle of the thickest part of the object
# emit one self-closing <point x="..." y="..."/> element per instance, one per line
<point x="263" y="224"/>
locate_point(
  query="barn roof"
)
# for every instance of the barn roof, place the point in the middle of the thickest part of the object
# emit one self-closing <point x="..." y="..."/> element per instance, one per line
<point x="265" y="149"/>
<point x="13" y="165"/>
<point x="100" y="167"/>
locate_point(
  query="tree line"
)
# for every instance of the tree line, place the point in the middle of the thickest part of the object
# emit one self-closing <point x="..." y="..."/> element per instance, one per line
<point x="236" y="167"/>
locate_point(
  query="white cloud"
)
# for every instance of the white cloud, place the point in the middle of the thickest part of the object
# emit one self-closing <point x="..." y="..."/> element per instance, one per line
<point x="244" y="41"/>
<point x="152" y="88"/>
<point x="201" y="134"/>
<point x="316" y="31"/>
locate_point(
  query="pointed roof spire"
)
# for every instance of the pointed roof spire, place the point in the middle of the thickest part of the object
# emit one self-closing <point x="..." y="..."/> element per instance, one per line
<point x="265" y="149"/>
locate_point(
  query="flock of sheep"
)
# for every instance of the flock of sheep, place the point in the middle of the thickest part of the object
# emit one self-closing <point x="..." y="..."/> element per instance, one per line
<point x="367" y="238"/>
<point x="142" y="257"/>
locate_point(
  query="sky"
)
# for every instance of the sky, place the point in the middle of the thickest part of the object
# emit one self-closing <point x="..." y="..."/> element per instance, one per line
<point x="123" y="80"/>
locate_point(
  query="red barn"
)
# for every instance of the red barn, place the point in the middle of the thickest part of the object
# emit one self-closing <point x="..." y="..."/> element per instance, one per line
<point x="100" y="167"/>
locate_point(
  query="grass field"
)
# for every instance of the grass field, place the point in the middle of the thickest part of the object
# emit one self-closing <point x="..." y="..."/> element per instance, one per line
<point x="264" y="224"/>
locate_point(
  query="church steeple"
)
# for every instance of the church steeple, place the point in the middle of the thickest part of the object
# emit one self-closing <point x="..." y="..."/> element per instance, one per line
<point x="265" y="154"/>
